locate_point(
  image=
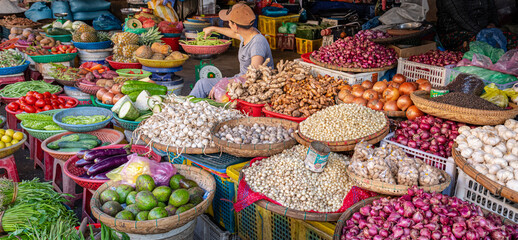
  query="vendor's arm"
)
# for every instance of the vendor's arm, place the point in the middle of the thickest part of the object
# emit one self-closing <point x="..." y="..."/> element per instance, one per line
<point x="221" y="30"/>
<point x="257" y="60"/>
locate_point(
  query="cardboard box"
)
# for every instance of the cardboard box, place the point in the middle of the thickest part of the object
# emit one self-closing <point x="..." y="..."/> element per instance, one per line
<point x="415" y="50"/>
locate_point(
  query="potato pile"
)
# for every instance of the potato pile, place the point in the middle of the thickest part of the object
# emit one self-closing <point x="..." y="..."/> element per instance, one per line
<point x="29" y="36"/>
<point x="158" y="51"/>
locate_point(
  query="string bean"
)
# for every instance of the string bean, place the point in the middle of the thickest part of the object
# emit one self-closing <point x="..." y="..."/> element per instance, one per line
<point x="202" y="41"/>
<point x="11" y="58"/>
<point x="20" y="89"/>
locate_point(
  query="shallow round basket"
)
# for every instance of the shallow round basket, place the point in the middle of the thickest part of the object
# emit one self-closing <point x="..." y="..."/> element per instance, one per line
<point x="176" y="150"/>
<point x="492" y="186"/>
<point x="93" y="45"/>
<point x="105" y="135"/>
<point x="125" y="73"/>
<point x="15" y="69"/>
<point x="348" y="214"/>
<point x="460" y="114"/>
<point x="126" y="124"/>
<point x="83" y="111"/>
<point x="74" y="172"/>
<point x="66" y="82"/>
<point x="65" y="57"/>
<point x="119" y="65"/>
<point x="61" y="38"/>
<point x="393" y="189"/>
<point x="345" y="69"/>
<point x="203" y="178"/>
<point x="43" y="134"/>
<point x="86" y="88"/>
<point x="4" y="152"/>
<point x="253" y="150"/>
<point x="193" y="26"/>
<point x="162" y="63"/>
<point x="206" y="50"/>
<point x="98" y="103"/>
<point x="348" y="145"/>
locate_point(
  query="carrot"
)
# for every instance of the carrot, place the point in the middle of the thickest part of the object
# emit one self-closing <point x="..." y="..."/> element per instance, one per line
<point x="101" y="70"/>
<point x="96" y="67"/>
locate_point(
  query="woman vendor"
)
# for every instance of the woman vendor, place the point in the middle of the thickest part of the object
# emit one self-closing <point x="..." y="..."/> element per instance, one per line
<point x="253" y="50"/>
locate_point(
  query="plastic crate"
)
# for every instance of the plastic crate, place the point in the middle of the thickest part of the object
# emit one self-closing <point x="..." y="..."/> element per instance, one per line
<point x="305" y="45"/>
<point x="207" y="230"/>
<point x="216" y="163"/>
<point x="311" y="231"/>
<point x="350" y="78"/>
<point x="471" y="191"/>
<point x="272" y="41"/>
<point x="285" y="41"/>
<point x="438" y="76"/>
<point x="250" y="109"/>
<point x="269" y="25"/>
<point x="445" y="164"/>
<point x="327" y="40"/>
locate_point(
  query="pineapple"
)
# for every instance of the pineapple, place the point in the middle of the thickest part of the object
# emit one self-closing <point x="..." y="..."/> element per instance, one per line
<point x="128" y="50"/>
<point x="89" y="37"/>
<point x="85" y="28"/>
<point x="76" y="37"/>
<point x="117" y="50"/>
<point x="150" y="37"/>
<point x="103" y="36"/>
<point x="126" y="38"/>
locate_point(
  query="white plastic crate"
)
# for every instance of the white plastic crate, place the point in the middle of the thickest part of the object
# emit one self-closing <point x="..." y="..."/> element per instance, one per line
<point x="471" y="191"/>
<point x="207" y="230"/>
<point x="438" y="76"/>
<point x="445" y="164"/>
<point x="350" y="78"/>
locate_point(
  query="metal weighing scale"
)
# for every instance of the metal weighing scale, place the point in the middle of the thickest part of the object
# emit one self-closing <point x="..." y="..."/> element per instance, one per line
<point x="206" y="68"/>
<point x="60" y="17"/>
<point x="163" y="74"/>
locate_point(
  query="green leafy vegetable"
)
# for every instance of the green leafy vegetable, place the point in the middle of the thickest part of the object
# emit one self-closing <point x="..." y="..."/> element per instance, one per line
<point x="33" y="116"/>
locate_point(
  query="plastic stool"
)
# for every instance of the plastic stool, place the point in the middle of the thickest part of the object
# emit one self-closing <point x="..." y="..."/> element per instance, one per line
<point x="12" y="121"/>
<point x="36" y="153"/>
<point x="49" y="166"/>
<point x="86" y="210"/>
<point x="68" y="186"/>
<point x="9" y="165"/>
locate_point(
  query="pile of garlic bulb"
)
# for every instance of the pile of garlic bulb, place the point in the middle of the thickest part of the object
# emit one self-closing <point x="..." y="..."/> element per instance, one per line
<point x="493" y="151"/>
<point x="285" y="179"/>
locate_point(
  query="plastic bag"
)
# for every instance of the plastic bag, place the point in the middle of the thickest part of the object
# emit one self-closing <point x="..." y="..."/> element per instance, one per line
<point x="61" y="7"/>
<point x="508" y="63"/>
<point x="136" y="166"/>
<point x="429" y="176"/>
<point x="220" y="89"/>
<point x="495" y="95"/>
<point x="513" y="95"/>
<point x="107" y="22"/>
<point x="407" y="175"/>
<point x="466" y="83"/>
<point x="283" y="28"/>
<point x="488" y="75"/>
<point x="89" y="15"/>
<point x="38" y="11"/>
<point x="485" y="49"/>
<point x="362" y="151"/>
<point x="291" y="27"/>
<point x="372" y="23"/>
<point x="494" y="37"/>
<point x="409" y="11"/>
<point x="166" y="12"/>
<point x="89" y="5"/>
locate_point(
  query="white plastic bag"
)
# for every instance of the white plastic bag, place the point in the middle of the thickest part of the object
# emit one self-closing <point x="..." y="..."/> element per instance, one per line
<point x="409" y="11"/>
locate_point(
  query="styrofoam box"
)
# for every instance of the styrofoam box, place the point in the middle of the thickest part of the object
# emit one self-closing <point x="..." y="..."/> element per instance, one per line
<point x="445" y="164"/>
<point x="471" y="191"/>
<point x="350" y="78"/>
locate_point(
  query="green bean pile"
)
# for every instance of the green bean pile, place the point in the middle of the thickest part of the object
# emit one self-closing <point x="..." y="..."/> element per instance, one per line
<point x="202" y="41"/>
<point x="20" y="89"/>
<point x="11" y="58"/>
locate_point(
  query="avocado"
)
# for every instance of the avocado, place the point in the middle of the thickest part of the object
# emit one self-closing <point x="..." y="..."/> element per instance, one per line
<point x="142" y="216"/>
<point x="179" y="197"/>
<point x="174" y="182"/>
<point x="162" y="193"/>
<point x="161" y="204"/>
<point x="145" y="183"/>
<point x="184" y="208"/>
<point x="145" y="201"/>
<point x="130" y="199"/>
<point x="196" y="191"/>
<point x="156" y="213"/>
<point x="186" y="183"/>
<point x="111" y="208"/>
<point x="125" y="215"/>
<point x="123" y="190"/>
<point x="195" y="200"/>
<point x="132" y="208"/>
<point x="171" y="210"/>
<point x="109" y="195"/>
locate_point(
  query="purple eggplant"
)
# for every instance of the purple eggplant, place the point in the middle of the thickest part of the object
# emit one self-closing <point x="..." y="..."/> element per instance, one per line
<point x="84" y="176"/>
<point x="93" y="154"/>
<point x="81" y="154"/>
<point x="107" y="164"/>
<point x="82" y="163"/>
<point x="90" y="77"/>
<point x="100" y="176"/>
<point x="87" y="166"/>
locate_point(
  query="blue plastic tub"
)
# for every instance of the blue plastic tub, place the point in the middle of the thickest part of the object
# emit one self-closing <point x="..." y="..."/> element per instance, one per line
<point x="15" y="70"/>
<point x="83" y="111"/>
<point x="93" y="45"/>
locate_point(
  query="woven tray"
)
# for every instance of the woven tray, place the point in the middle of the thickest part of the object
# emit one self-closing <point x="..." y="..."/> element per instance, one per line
<point x="388" y="113"/>
<point x="176" y="150"/>
<point x="492" y="186"/>
<point x="395" y="190"/>
<point x="461" y="114"/>
<point x="251" y="150"/>
<point x="400" y="38"/>
<point x="67" y="83"/>
<point x="344" y="69"/>
<point x="349" y="213"/>
<point x="203" y="178"/>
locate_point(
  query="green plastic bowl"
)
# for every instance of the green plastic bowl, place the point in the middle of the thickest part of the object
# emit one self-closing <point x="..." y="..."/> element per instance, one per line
<point x="62" y="38"/>
<point x="125" y="73"/>
<point x="126" y="124"/>
<point x="97" y="103"/>
<point x="66" y="57"/>
<point x="44" y="134"/>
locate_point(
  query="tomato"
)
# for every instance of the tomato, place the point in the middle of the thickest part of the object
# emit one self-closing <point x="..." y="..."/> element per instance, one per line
<point x="40" y="103"/>
<point x="30" y="93"/>
<point x="14" y="106"/>
<point x="69" y="104"/>
<point x="39" y="110"/>
<point x="30" y="100"/>
<point x="61" y="106"/>
<point x="22" y="99"/>
<point x="74" y="51"/>
<point x="54" y="96"/>
<point x="47" y="94"/>
<point x="38" y="95"/>
<point x="48" y="101"/>
<point x="62" y="100"/>
<point x="47" y="107"/>
<point x="30" y="109"/>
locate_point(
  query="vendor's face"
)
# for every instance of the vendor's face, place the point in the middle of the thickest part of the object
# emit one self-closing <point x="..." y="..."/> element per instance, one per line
<point x="233" y="26"/>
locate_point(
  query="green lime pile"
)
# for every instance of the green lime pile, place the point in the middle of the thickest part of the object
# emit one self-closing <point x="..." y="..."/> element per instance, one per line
<point x="148" y="202"/>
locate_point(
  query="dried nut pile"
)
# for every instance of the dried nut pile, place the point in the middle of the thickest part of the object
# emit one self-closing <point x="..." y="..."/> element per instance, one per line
<point x="184" y="124"/>
<point x="285" y="179"/>
<point x="343" y="122"/>
<point x="256" y="134"/>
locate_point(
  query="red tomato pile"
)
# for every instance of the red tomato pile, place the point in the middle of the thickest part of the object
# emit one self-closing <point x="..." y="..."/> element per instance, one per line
<point x="35" y="102"/>
<point x="63" y="49"/>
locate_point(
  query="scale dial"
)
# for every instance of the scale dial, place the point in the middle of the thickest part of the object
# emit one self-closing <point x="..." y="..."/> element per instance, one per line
<point x="210" y="71"/>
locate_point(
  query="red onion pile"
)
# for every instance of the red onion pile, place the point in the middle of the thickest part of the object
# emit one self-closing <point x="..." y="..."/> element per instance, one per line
<point x="372" y="34"/>
<point x="419" y="215"/>
<point x="352" y="52"/>
<point x="429" y="134"/>
<point x="438" y="58"/>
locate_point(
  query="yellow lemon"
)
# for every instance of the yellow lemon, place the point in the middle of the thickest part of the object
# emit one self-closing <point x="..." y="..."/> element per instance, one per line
<point x="18" y="136"/>
<point x="6" y="139"/>
<point x="2" y="145"/>
<point x="2" y="132"/>
<point x="8" y="144"/>
<point x="14" y="141"/>
<point x="9" y="132"/>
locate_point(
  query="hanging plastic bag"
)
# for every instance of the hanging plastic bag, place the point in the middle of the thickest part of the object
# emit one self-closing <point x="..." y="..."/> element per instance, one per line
<point x="166" y="12"/>
<point x="283" y="28"/>
<point x="38" y="11"/>
<point x="291" y="27"/>
<point x="136" y="166"/>
<point x="107" y="22"/>
<point x="409" y="11"/>
<point x="495" y="95"/>
<point x="494" y="37"/>
<point x="485" y="49"/>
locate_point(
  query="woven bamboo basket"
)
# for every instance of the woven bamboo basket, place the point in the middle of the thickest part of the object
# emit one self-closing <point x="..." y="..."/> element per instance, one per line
<point x="4" y="152"/>
<point x="492" y="186"/>
<point x="166" y="148"/>
<point x="203" y="178"/>
<point x="356" y="70"/>
<point x="349" y="213"/>
<point x="460" y="114"/>
<point x="400" y="114"/>
<point x="395" y="190"/>
<point x="253" y="150"/>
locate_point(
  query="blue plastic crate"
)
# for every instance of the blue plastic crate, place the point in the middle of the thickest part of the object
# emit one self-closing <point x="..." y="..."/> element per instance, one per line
<point x="217" y="162"/>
